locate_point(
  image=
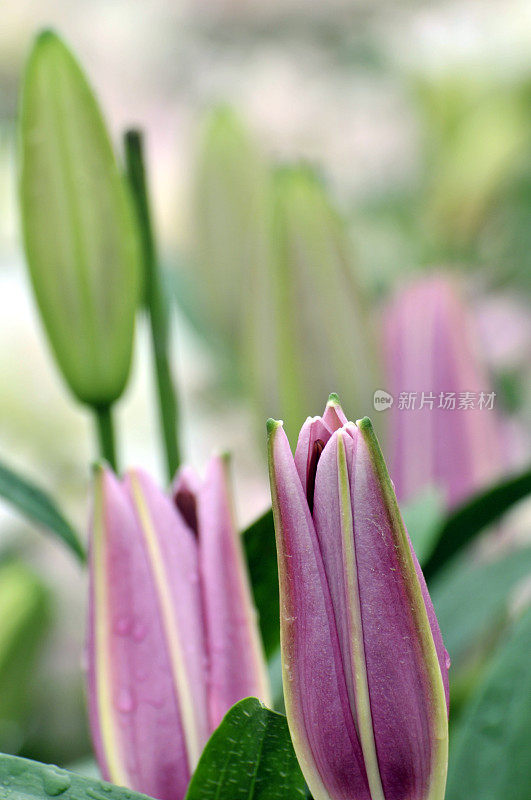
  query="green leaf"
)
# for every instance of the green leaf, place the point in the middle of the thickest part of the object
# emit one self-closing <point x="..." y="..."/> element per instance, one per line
<point x="469" y="599"/>
<point x="468" y="520"/>
<point x="22" y="779"/>
<point x="25" y="614"/>
<point x="489" y="758"/>
<point x="79" y="229"/>
<point x="261" y="553"/>
<point x="423" y="518"/>
<point x="249" y="757"/>
<point x="38" y="507"/>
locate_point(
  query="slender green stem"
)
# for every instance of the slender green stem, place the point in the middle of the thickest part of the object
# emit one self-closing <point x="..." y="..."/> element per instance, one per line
<point x="156" y="304"/>
<point x="106" y="437"/>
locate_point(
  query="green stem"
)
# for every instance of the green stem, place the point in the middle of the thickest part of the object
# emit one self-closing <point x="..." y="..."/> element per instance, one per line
<point x="156" y="304"/>
<point x="106" y="437"/>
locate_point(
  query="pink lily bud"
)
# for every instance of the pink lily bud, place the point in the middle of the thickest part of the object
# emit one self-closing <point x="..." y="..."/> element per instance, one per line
<point x="444" y="425"/>
<point x="364" y="667"/>
<point x="172" y="637"/>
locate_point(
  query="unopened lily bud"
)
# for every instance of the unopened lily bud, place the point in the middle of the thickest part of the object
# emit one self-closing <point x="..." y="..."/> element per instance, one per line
<point x="78" y="226"/>
<point x="445" y="429"/>
<point x="364" y="666"/>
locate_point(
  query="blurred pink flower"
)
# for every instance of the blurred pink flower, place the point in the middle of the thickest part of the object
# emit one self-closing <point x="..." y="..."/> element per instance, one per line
<point x="445" y="428"/>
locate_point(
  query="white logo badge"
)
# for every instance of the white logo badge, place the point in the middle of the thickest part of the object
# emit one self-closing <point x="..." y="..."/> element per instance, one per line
<point x="382" y="400"/>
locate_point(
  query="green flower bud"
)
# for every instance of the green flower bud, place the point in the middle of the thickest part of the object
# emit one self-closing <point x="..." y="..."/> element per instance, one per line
<point x="79" y="230"/>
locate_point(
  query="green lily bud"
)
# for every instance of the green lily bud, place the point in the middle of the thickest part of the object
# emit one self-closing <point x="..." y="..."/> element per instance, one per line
<point x="230" y="228"/>
<point x="314" y="309"/>
<point x="78" y="225"/>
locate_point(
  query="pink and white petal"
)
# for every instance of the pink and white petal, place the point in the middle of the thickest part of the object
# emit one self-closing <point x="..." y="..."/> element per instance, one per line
<point x="334" y="417"/>
<point x="316" y="697"/>
<point x="134" y="709"/>
<point x="312" y="430"/>
<point x="407" y="696"/>
<point x="333" y="520"/>
<point x="172" y="553"/>
<point x="237" y="666"/>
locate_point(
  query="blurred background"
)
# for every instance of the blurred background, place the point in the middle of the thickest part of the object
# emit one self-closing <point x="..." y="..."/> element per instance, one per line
<point x="389" y="142"/>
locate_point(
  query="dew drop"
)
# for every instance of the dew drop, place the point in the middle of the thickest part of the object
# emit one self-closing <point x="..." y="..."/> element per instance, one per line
<point x="122" y="626"/>
<point x="55" y="782"/>
<point x="125" y="701"/>
<point x="139" y="631"/>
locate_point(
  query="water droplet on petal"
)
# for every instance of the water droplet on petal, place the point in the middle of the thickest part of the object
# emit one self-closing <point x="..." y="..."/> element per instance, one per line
<point x="139" y="631"/>
<point x="125" y="701"/>
<point x="122" y="626"/>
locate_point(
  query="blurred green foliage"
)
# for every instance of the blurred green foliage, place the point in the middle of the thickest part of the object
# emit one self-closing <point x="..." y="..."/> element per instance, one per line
<point x="489" y="755"/>
<point x="278" y="279"/>
<point x="24" y="615"/>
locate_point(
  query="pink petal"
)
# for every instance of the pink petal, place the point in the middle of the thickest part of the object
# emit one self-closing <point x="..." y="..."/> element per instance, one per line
<point x="236" y="661"/>
<point x="135" y="709"/>
<point x="317" y="705"/>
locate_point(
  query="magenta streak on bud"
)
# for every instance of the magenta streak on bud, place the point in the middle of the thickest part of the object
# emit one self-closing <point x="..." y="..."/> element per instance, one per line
<point x="431" y="348"/>
<point x="172" y="638"/>
<point x="364" y="666"/>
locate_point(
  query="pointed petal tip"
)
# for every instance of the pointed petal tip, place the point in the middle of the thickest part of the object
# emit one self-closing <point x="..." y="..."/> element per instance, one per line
<point x="218" y="465"/>
<point x="364" y="424"/>
<point x="333" y="399"/>
<point x="101" y="468"/>
<point x="333" y="416"/>
<point x="133" y="473"/>
<point x="224" y="456"/>
<point x="272" y="425"/>
<point x="46" y="35"/>
<point x="97" y="468"/>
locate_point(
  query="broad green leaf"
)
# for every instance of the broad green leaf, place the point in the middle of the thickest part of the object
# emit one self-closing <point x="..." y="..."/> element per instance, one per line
<point x="249" y="757"/>
<point x="22" y="779"/>
<point x="79" y="229"/>
<point x="24" y="612"/>
<point x="423" y="518"/>
<point x="469" y="599"/>
<point x="483" y="509"/>
<point x="35" y="504"/>
<point x="261" y="553"/>
<point x="489" y="758"/>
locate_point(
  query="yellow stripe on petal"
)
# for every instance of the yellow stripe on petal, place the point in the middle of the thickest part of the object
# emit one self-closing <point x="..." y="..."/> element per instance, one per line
<point x="362" y="705"/>
<point x="108" y="730"/>
<point x="171" y="627"/>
